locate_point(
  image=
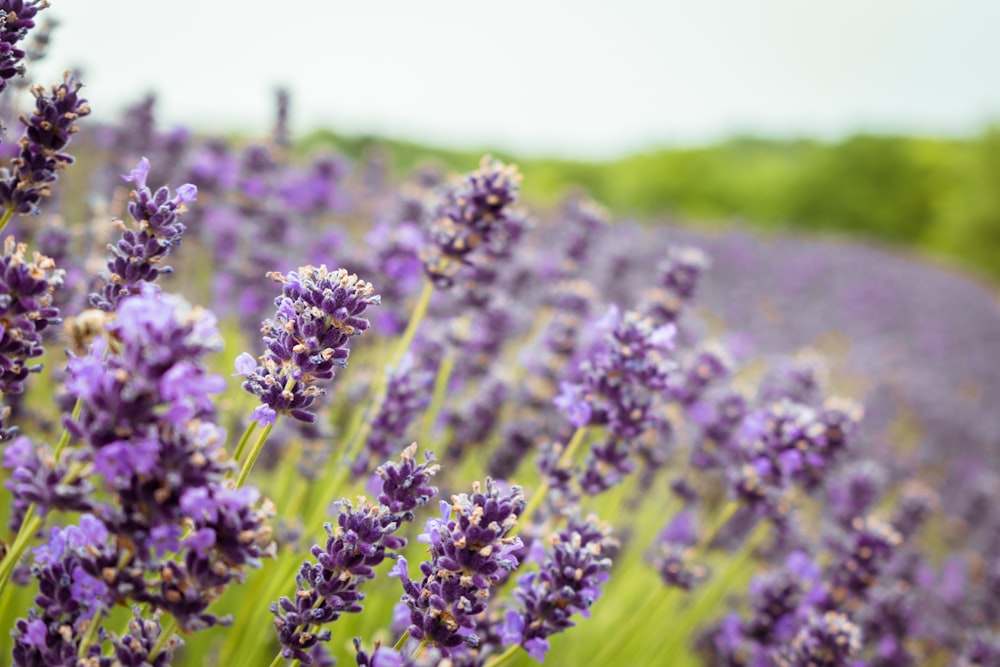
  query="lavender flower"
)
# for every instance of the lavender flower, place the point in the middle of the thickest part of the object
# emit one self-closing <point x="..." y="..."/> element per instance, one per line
<point x="78" y="577"/>
<point x="621" y="376"/>
<point x="381" y="656"/>
<point x="136" y="259"/>
<point x="16" y="19"/>
<point x="830" y="640"/>
<point x="27" y="289"/>
<point x="470" y="550"/>
<point x="135" y="648"/>
<point x="331" y="586"/>
<point x="361" y="539"/>
<point x="318" y="312"/>
<point x="860" y="557"/>
<point x="407" y="394"/>
<point x="36" y="477"/>
<point x="153" y="372"/>
<point x="47" y="132"/>
<point x="472" y="215"/>
<point x="568" y="582"/>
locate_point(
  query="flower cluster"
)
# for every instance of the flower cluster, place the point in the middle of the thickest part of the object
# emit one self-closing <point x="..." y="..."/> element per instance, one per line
<point x="568" y="582"/>
<point x="136" y="259"/>
<point x="470" y="550"/>
<point x="407" y="394"/>
<point x="27" y="288"/>
<point x="17" y="17"/>
<point x="473" y="215"/>
<point x="360" y="540"/>
<point x="46" y="133"/>
<point x="317" y="314"/>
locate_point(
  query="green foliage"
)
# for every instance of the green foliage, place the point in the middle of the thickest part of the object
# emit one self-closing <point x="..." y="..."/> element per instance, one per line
<point x="938" y="196"/>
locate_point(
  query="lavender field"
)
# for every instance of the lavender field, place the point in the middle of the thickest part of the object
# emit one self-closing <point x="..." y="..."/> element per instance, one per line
<point x="270" y="406"/>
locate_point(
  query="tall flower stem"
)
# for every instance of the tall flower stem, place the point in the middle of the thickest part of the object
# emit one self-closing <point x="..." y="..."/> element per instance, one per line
<point x="401" y="642"/>
<point x="30" y="525"/>
<point x="713" y="594"/>
<point x="438" y="397"/>
<point x="503" y="658"/>
<point x="166" y="632"/>
<point x="242" y="444"/>
<point x="543" y="488"/>
<point x="7" y="215"/>
<point x="252" y="456"/>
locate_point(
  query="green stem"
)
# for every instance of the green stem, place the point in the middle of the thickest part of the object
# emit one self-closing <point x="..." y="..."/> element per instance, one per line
<point x="420" y="649"/>
<point x="419" y="310"/>
<point x="166" y="632"/>
<point x="438" y="397"/>
<point x="277" y="660"/>
<point x="398" y="646"/>
<point x="242" y="445"/>
<point x="252" y="456"/>
<point x="504" y="657"/>
<point x="64" y="436"/>
<point x="88" y="637"/>
<point x="543" y="489"/>
<point x="720" y="522"/>
<point x="6" y="218"/>
<point x="30" y="525"/>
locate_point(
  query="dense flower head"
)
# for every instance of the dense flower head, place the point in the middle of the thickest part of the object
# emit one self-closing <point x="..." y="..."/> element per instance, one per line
<point x="36" y="477"/>
<point x="135" y="648"/>
<point x="568" y="582"/>
<point x="827" y="640"/>
<point x="405" y="485"/>
<point x="317" y="313"/>
<point x="473" y="214"/>
<point x="861" y="556"/>
<point x="775" y="599"/>
<point x="137" y="257"/>
<point x="786" y="444"/>
<point x="79" y="577"/>
<point x="27" y="288"/>
<point x="621" y="375"/>
<point x="47" y="132"/>
<point x="470" y="549"/>
<point x="381" y="656"/>
<point x="148" y="369"/>
<point x="407" y="394"/>
<point x="228" y="534"/>
<point x="330" y="587"/>
<point x="678" y="277"/>
<point x="17" y="17"/>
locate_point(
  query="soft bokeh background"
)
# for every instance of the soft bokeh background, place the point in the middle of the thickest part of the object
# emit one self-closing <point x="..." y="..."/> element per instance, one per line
<point x="854" y="118"/>
<point x="584" y="79"/>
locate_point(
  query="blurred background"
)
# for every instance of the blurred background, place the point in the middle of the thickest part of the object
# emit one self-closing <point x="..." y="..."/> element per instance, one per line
<point x="849" y="118"/>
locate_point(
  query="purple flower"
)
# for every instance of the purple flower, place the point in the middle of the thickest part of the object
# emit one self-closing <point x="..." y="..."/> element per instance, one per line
<point x="470" y="550"/>
<point x="330" y="587"/>
<point x="47" y="132"/>
<point x="472" y="215"/>
<point x="407" y="394"/>
<point x="568" y="582"/>
<point x="137" y="258"/>
<point x="830" y="640"/>
<point x="27" y="288"/>
<point x="317" y="314"/>
<point x="18" y="18"/>
<point x="573" y="403"/>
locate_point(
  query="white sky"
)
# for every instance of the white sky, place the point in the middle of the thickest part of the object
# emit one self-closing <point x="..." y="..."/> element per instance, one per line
<point x="584" y="78"/>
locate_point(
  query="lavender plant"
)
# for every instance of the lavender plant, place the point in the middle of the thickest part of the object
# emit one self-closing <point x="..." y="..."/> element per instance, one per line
<point x="738" y="510"/>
